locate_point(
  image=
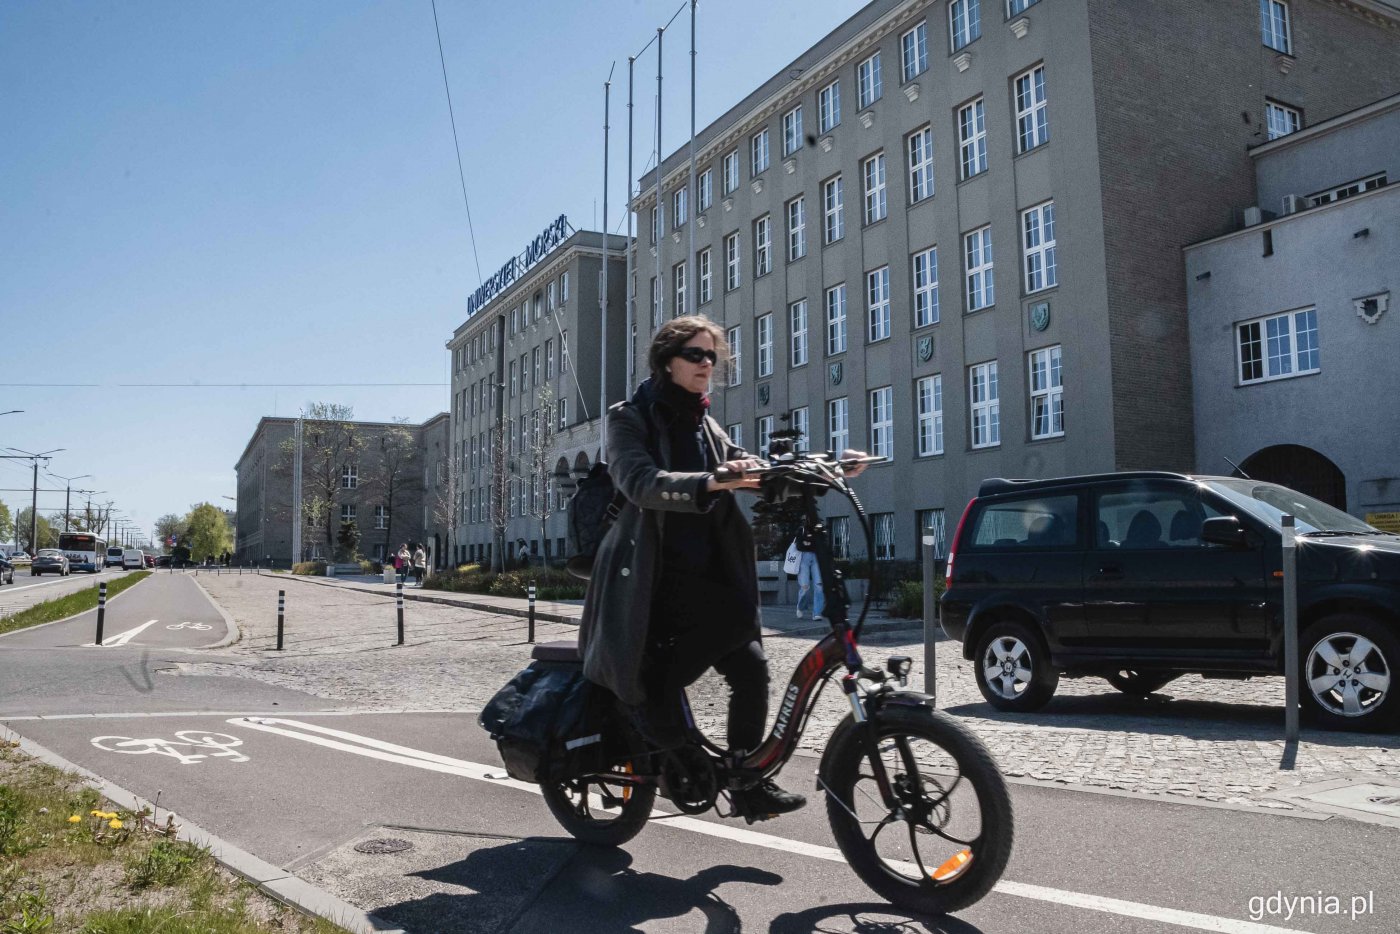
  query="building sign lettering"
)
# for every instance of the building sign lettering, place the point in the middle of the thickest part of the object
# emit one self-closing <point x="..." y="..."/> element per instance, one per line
<point x="516" y="266"/>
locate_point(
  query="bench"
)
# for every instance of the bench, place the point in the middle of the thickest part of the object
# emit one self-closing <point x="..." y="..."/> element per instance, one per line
<point x="343" y="570"/>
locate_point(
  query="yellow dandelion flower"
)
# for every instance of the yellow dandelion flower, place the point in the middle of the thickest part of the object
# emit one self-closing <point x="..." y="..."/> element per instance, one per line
<point x="114" y="824"/>
<point x="95" y="813"/>
<point x="75" y="819"/>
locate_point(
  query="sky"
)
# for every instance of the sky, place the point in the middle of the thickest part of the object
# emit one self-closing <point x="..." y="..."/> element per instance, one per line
<point x="211" y="212"/>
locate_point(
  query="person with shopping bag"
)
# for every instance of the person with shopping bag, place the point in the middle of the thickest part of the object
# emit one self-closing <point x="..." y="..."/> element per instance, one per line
<point x="801" y="560"/>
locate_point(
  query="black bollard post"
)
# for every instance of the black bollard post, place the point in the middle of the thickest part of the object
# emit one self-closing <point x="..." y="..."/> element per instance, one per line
<point x="281" y="609"/>
<point x="399" y="589"/>
<point x="532" y="613"/>
<point x="101" y="609"/>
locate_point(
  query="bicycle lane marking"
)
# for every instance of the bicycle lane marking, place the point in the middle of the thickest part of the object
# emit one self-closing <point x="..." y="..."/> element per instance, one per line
<point x="216" y="745"/>
<point x="122" y="638"/>
<point x="404" y="755"/>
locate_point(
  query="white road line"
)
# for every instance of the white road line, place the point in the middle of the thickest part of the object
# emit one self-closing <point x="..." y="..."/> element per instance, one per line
<point x="124" y="637"/>
<point x="404" y="755"/>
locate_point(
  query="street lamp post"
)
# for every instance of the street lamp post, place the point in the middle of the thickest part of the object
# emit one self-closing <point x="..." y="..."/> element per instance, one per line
<point x="68" y="495"/>
<point x="34" y="501"/>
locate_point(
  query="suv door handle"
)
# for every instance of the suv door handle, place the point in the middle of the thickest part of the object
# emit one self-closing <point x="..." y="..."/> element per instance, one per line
<point x="1110" y="572"/>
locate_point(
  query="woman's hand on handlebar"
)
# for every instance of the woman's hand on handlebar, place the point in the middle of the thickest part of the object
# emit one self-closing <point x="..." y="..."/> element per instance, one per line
<point x="855" y="470"/>
<point x="730" y="475"/>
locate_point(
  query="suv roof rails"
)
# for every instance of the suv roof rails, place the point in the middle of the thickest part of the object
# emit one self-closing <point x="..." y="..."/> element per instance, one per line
<point x="996" y="485"/>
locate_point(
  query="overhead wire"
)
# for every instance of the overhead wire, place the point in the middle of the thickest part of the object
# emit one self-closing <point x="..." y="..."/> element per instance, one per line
<point x="456" y="144"/>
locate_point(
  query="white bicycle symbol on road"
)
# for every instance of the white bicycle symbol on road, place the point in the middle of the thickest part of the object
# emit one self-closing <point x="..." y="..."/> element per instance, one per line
<point x="188" y="625"/>
<point x="216" y="746"/>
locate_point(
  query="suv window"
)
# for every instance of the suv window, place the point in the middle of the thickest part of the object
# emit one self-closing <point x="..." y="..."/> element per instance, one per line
<point x="1041" y="522"/>
<point x="1140" y="519"/>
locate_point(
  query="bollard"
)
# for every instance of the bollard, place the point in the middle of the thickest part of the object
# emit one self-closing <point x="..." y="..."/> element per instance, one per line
<point x="930" y="622"/>
<point x="531" y="637"/>
<point x="101" y="610"/>
<point x="1290" y="630"/>
<point x="281" y="609"/>
<point x="399" y="594"/>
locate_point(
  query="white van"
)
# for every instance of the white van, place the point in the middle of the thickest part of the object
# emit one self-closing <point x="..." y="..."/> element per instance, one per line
<point x="114" y="556"/>
<point x="132" y="559"/>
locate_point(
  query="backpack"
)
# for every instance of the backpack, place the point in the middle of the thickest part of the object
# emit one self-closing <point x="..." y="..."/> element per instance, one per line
<point x="550" y="723"/>
<point x="593" y="509"/>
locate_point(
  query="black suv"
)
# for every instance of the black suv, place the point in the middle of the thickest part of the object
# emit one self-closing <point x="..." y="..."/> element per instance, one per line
<point x="1142" y="577"/>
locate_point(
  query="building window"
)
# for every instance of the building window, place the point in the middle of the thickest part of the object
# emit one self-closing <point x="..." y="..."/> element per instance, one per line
<point x="655" y="303"/>
<point x="563" y="352"/>
<point x="655" y="224"/>
<point x="731" y="171"/>
<point x="921" y="164"/>
<point x="347" y="512"/>
<point x="972" y="137"/>
<point x="933" y="524"/>
<point x="929" y="393"/>
<point x="535" y="367"/>
<point x="1361" y="185"/>
<point x="1274" y="21"/>
<point x="797" y="228"/>
<point x="514" y="321"/>
<point x="882" y="422"/>
<point x="838" y="425"/>
<point x="868" y="85"/>
<point x="765" y="345"/>
<point x="802" y="424"/>
<point x="977" y="249"/>
<point x="679" y="207"/>
<point x="914" y="51"/>
<point x="926" y="287"/>
<point x="1038" y="232"/>
<point x="1279" y="346"/>
<point x="1012" y="8"/>
<point x="884" y="535"/>
<point x="797" y="325"/>
<point x="1047" y="394"/>
<point x="765" y="434"/>
<point x="841" y="537"/>
<point x="563" y="287"/>
<point x="551" y="292"/>
<point x="877" y="304"/>
<point x="731" y="262"/>
<point x="829" y="106"/>
<point x="875" y="206"/>
<point x="349" y="477"/>
<point x="792" y="130"/>
<point x="1032" y="118"/>
<point x="563" y="413"/>
<point x="678" y="277"/>
<point x="735" y="338"/>
<point x="758" y="152"/>
<point x="832" y="207"/>
<point x="702" y="262"/>
<point x="836" y="320"/>
<point x="1281" y="119"/>
<point x="704" y="190"/>
<point x="549" y="359"/>
<point x="381" y="517"/>
<point x="736" y="433"/>
<point x="762" y="246"/>
<point x="986" y="405"/>
<point x="965" y="22"/>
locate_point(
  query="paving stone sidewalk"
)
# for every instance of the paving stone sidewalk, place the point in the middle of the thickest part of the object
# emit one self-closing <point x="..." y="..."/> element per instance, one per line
<point x="1219" y="741"/>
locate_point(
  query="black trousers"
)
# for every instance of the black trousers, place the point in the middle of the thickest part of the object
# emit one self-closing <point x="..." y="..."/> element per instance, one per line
<point x="745" y="670"/>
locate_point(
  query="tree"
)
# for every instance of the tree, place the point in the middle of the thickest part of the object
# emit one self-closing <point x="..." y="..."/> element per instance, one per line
<point x="208" y="531"/>
<point x="396" y="476"/>
<point x="7" y="524"/>
<point x="171" y="526"/>
<point x="446" y="505"/>
<point x="331" y="444"/>
<point x="47" y="534"/>
<point x="499" y="489"/>
<point x="539" y="464"/>
<point x="348" y="538"/>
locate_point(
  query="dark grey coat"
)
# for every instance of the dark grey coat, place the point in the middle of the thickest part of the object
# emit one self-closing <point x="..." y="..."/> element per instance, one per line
<point x="617" y="609"/>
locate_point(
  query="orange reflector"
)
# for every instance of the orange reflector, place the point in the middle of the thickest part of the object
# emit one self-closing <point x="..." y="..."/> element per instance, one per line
<point x="953" y="866"/>
<point x="1278" y="575"/>
<point x="627" y="789"/>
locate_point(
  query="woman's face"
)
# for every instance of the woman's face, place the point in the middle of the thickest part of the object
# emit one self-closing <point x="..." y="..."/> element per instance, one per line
<point x="694" y="377"/>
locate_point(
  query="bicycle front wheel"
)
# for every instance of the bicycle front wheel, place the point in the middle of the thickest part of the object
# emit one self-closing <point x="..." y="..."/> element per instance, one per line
<point x="946" y="839"/>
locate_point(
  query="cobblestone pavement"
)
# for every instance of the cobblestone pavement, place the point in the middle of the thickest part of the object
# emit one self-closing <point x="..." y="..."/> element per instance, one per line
<point x="1218" y="741"/>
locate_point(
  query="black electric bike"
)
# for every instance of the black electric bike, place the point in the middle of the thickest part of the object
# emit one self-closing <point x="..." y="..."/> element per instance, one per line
<point x="915" y="801"/>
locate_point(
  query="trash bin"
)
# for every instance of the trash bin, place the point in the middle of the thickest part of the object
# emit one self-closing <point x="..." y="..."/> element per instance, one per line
<point x="390" y="576"/>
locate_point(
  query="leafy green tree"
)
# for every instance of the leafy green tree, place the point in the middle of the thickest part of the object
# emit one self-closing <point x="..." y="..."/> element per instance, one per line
<point x="168" y="525"/>
<point x="348" y="540"/>
<point x="7" y="524"/>
<point x="330" y="449"/>
<point x="208" y="531"/>
<point x="48" y="535"/>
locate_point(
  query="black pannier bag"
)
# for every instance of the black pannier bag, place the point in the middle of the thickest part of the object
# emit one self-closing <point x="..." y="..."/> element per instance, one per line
<point x="550" y="723"/>
<point x="593" y="509"/>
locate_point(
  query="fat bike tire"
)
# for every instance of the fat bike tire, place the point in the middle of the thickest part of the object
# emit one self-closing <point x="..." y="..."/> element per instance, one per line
<point x="578" y="807"/>
<point x="947" y="842"/>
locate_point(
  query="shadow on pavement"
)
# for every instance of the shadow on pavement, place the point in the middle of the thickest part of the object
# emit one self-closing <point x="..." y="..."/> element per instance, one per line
<point x="866" y="918"/>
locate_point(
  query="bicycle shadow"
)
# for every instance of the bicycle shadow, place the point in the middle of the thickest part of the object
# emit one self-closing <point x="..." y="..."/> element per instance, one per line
<point x="855" y="918"/>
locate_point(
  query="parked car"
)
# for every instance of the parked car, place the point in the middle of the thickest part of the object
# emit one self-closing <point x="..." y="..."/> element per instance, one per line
<point x="19" y="557"/>
<point x="163" y="561"/>
<point x="149" y="558"/>
<point x="7" y="570"/>
<point x="1143" y="577"/>
<point x="49" y="561"/>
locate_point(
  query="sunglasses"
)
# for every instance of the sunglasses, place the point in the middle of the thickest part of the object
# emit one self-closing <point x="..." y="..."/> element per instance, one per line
<point x="698" y="355"/>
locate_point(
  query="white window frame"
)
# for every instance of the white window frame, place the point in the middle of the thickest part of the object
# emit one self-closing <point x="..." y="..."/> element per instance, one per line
<point x="736" y="433"/>
<point x="980" y="269"/>
<point x="678" y="278"/>
<point x="764" y="329"/>
<point x="964" y="23"/>
<point x="704" y="191"/>
<point x="1281" y="119"/>
<point x="704" y="262"/>
<point x="735" y="337"/>
<point x="985" y="404"/>
<point x="655" y="224"/>
<point x="1350" y="189"/>
<point x="841" y="537"/>
<point x="919" y="150"/>
<point x="928" y="396"/>
<point x="833" y="210"/>
<point x="873" y="175"/>
<point x="759" y="154"/>
<point x="765" y="434"/>
<point x="349" y="476"/>
<point x="1038" y="248"/>
<point x="877" y="304"/>
<point x="972" y="138"/>
<point x="549" y="358"/>
<point x="802" y="422"/>
<point x="1047" y="391"/>
<point x="348" y="513"/>
<point x="679" y="206"/>
<point x="836" y="319"/>
<point x="731" y="171"/>
<point x="913" y="52"/>
<point x="797" y="332"/>
<point x="656" y="312"/>
<point x="731" y="262"/>
<point x="838" y="424"/>
<point x="829" y="107"/>
<point x="796" y="228"/>
<point x="869" y="84"/>
<point x="881" y="411"/>
<point x="1278" y="352"/>
<point x="762" y="246"/>
<point x="1018" y="6"/>
<point x="792" y="130"/>
<point x="381" y="517"/>
<point x="1032" y="113"/>
<point x="563" y="287"/>
<point x="551" y="297"/>
<point x="563" y="412"/>
<point x="924" y="266"/>
<point x="1275" y="24"/>
<point x="883" y="523"/>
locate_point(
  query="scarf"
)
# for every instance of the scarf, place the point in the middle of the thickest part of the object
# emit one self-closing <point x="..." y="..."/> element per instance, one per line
<point x="684" y="402"/>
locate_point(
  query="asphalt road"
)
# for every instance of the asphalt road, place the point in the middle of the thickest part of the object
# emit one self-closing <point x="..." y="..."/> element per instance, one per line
<point x="28" y="590"/>
<point x="279" y="774"/>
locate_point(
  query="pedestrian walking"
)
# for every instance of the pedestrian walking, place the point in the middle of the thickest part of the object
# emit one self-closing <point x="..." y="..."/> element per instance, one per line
<point x="420" y="564"/>
<point x="403" y="561"/>
<point x="809" y="576"/>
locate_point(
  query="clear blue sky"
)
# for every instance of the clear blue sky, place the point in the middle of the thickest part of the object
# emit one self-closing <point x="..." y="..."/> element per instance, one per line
<point x="266" y="192"/>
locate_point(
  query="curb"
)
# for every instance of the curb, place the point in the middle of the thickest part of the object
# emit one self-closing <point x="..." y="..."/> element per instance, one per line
<point x="265" y="877"/>
<point x="55" y="622"/>
<point x="234" y="634"/>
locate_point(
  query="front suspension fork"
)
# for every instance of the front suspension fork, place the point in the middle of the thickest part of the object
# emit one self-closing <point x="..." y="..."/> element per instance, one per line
<point x="861" y="715"/>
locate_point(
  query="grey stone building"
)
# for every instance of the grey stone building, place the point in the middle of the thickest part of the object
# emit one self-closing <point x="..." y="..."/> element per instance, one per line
<point x="1294" y="341"/>
<point x="383" y="476"/>
<point x="951" y="232"/>
<point x="527" y="390"/>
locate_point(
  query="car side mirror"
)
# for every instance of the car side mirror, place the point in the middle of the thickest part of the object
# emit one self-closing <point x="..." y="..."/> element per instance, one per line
<point x="1225" y="530"/>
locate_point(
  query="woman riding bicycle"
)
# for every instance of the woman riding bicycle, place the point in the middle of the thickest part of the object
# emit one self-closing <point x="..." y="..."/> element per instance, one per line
<point x="674" y="589"/>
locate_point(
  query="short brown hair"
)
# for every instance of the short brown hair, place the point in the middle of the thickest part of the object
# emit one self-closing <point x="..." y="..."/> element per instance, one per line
<point x="674" y="334"/>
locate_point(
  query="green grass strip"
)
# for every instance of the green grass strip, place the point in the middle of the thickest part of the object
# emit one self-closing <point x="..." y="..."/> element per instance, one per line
<point x="69" y="605"/>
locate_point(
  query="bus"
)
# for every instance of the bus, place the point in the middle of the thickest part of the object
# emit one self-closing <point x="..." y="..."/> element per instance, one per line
<point x="85" y="551"/>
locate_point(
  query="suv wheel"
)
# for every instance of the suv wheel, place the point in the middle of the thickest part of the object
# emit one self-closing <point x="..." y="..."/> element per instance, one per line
<point x="1349" y="677"/>
<point x="1013" y="668"/>
<point x="1139" y="683"/>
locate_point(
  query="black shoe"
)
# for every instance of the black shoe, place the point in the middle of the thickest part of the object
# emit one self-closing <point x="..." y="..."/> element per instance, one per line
<point x="765" y="800"/>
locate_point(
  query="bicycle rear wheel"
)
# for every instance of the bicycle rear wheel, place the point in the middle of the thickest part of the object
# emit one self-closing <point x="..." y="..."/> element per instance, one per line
<point x="948" y="838"/>
<point x="598" y="809"/>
